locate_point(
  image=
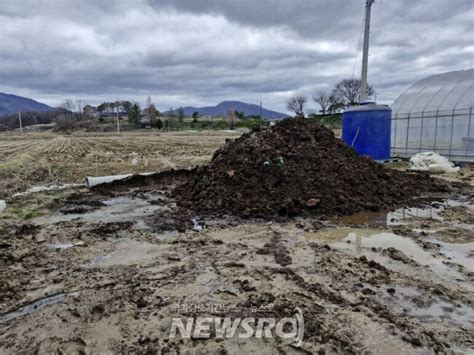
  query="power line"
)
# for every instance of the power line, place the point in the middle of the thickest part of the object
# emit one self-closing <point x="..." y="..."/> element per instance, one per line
<point x="358" y="46"/>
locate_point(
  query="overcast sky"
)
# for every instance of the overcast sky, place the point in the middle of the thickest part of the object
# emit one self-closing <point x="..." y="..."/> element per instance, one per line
<point x="201" y="52"/>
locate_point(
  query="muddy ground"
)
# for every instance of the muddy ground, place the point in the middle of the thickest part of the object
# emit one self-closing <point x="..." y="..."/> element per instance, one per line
<point x="105" y="271"/>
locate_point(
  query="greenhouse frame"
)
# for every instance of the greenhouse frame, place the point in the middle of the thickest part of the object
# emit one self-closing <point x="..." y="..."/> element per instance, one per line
<point x="435" y="114"/>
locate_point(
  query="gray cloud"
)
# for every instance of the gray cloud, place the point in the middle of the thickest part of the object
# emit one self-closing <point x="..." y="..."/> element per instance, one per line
<point x="199" y="52"/>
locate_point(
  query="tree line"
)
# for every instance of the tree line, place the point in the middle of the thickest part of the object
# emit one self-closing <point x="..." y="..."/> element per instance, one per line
<point x="77" y="114"/>
<point x="344" y="94"/>
<point x="10" y="122"/>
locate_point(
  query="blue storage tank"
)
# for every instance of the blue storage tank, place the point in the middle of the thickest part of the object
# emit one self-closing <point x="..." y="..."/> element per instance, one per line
<point x="367" y="128"/>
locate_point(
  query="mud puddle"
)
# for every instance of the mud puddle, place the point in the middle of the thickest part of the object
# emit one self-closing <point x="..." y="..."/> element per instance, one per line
<point x="208" y="283"/>
<point x="127" y="252"/>
<point x="117" y="209"/>
<point x="415" y="303"/>
<point x="401" y="216"/>
<point x="65" y="246"/>
<point x="431" y="211"/>
<point x="400" y="253"/>
<point x="461" y="253"/>
<point x="450" y="264"/>
<point x="61" y="246"/>
<point x="34" y="306"/>
<point x="443" y="311"/>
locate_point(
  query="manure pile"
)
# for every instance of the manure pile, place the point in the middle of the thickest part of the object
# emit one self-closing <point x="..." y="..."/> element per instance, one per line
<point x="296" y="168"/>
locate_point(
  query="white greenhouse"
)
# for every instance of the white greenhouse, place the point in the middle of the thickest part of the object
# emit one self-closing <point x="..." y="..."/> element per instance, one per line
<point x="435" y="114"/>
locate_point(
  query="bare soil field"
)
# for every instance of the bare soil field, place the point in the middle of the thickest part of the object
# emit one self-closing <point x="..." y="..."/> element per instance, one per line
<point x="105" y="270"/>
<point x="46" y="158"/>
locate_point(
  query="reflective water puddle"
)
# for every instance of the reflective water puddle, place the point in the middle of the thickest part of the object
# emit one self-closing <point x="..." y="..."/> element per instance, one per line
<point x="128" y="252"/>
<point x="405" y="255"/>
<point x="61" y="246"/>
<point x="384" y="248"/>
<point x="402" y="215"/>
<point x="119" y="209"/>
<point x="34" y="306"/>
<point x="409" y="301"/>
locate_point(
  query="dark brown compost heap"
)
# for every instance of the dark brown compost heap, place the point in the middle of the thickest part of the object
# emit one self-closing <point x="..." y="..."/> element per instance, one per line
<point x="296" y="168"/>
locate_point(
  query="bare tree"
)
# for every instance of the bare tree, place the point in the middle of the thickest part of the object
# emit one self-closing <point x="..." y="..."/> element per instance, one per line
<point x="69" y="105"/>
<point x="324" y="100"/>
<point x="70" y="108"/>
<point x="118" y="105"/>
<point x="181" y="115"/>
<point x="150" y="112"/>
<point x="111" y="107"/>
<point x="231" y="117"/>
<point x="80" y="108"/>
<point x="296" y="105"/>
<point x="335" y="105"/>
<point x="347" y="91"/>
<point x="67" y="120"/>
<point x="151" y="115"/>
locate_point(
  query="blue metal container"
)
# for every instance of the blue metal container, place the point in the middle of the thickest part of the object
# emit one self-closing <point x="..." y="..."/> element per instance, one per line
<point x="367" y="128"/>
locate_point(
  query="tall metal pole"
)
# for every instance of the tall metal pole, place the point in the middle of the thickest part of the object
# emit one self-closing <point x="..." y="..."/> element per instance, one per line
<point x="21" y="125"/>
<point x="118" y="121"/>
<point x="365" y="57"/>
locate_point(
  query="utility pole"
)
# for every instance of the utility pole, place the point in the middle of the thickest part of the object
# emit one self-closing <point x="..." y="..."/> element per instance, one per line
<point x="19" y="120"/>
<point x="365" y="57"/>
<point x="261" y="110"/>
<point x="118" y="121"/>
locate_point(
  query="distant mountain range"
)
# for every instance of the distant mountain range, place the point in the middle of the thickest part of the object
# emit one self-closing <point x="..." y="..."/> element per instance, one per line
<point x="223" y="108"/>
<point x="12" y="104"/>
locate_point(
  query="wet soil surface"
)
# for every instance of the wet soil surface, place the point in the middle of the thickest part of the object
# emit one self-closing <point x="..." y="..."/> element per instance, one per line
<point x="109" y="279"/>
<point x="104" y="271"/>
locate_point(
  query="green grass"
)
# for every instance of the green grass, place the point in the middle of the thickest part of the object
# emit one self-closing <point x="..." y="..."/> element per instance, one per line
<point x="32" y="214"/>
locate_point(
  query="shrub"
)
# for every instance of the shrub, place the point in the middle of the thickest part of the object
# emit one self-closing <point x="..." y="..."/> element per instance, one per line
<point x="159" y="124"/>
<point x="64" y="123"/>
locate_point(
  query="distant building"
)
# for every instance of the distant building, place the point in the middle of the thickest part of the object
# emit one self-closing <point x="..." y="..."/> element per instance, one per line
<point x="435" y="114"/>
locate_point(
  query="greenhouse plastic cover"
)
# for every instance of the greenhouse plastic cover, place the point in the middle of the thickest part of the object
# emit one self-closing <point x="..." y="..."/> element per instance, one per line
<point x="436" y="114"/>
<point x="441" y="92"/>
